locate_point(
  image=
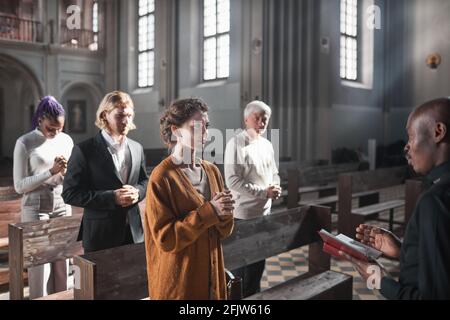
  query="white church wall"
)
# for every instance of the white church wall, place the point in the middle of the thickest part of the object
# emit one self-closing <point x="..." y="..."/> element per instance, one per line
<point x="21" y="89"/>
<point x="33" y="59"/>
<point x="353" y="126"/>
<point x="53" y="74"/>
<point x="84" y="128"/>
<point x="426" y="31"/>
<point x="223" y="96"/>
<point x="145" y="100"/>
<point x="356" y="107"/>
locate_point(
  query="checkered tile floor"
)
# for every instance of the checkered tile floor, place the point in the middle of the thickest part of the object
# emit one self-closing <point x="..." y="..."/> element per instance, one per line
<point x="291" y="264"/>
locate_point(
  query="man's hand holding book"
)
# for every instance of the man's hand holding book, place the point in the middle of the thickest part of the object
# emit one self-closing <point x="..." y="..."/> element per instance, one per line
<point x="380" y="239"/>
<point x="374" y="242"/>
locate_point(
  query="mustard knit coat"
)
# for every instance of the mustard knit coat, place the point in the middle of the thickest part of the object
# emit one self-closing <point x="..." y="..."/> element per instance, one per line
<point x="183" y="236"/>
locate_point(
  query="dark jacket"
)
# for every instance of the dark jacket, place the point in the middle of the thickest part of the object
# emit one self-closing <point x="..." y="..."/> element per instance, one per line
<point x="425" y="254"/>
<point x="90" y="182"/>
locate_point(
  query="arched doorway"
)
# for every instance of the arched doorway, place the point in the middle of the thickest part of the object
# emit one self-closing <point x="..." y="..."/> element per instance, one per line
<point x="19" y="93"/>
<point x="81" y="101"/>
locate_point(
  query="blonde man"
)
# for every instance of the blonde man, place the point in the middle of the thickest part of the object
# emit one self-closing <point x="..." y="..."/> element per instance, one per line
<point x="106" y="176"/>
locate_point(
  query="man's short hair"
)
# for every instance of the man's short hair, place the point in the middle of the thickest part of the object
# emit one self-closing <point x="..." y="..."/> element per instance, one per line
<point x="437" y="110"/>
<point x="257" y="106"/>
<point x="115" y="99"/>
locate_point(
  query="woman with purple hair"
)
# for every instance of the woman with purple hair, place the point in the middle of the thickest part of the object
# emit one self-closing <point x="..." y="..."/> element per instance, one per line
<point x="40" y="161"/>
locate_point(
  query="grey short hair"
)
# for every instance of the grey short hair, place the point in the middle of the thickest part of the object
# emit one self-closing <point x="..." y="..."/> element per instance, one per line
<point x="257" y="106"/>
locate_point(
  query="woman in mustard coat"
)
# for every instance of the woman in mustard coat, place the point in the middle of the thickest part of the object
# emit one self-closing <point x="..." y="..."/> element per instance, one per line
<point x="188" y="212"/>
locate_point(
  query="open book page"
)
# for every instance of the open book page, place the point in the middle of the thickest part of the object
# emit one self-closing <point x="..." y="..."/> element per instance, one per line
<point x="364" y="249"/>
<point x="334" y="244"/>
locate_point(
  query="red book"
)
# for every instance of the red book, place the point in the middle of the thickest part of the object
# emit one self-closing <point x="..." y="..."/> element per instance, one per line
<point x="333" y="244"/>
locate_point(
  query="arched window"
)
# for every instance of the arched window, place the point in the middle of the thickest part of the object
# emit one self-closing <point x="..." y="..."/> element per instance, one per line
<point x="94" y="46"/>
<point x="216" y="39"/>
<point x="349" y="40"/>
<point x="146" y="43"/>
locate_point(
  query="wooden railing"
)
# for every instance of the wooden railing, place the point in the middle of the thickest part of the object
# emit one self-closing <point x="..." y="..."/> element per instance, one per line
<point x="80" y="38"/>
<point x="13" y="28"/>
<point x="20" y="29"/>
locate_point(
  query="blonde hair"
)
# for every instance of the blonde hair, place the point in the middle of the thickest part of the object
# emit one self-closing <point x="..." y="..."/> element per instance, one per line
<point x="111" y="101"/>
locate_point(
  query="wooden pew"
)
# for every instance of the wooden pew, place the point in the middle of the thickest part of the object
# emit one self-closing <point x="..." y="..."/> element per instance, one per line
<point x="113" y="274"/>
<point x="364" y="198"/>
<point x="120" y="273"/>
<point x="328" y="285"/>
<point x="9" y="213"/>
<point x="10" y="203"/>
<point x="350" y="183"/>
<point x="287" y="164"/>
<point x="36" y="243"/>
<point x="320" y="179"/>
<point x="4" y="273"/>
<point x="262" y="238"/>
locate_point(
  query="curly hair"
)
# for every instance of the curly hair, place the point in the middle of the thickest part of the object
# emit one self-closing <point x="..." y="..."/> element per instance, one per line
<point x="177" y="114"/>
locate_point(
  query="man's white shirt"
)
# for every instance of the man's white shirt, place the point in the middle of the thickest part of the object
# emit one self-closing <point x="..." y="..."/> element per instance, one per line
<point x="121" y="155"/>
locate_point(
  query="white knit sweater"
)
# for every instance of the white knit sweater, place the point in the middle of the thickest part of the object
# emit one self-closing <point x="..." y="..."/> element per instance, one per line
<point x="250" y="168"/>
<point x="34" y="156"/>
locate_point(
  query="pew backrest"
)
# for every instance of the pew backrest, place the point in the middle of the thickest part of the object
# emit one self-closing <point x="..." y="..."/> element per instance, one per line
<point x="261" y="238"/>
<point x="319" y="175"/>
<point x="117" y="273"/>
<point x="120" y="273"/>
<point x="35" y="243"/>
<point x="362" y="181"/>
<point x="316" y="176"/>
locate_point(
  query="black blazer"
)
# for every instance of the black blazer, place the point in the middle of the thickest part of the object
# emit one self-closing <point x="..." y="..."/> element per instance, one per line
<point x="90" y="182"/>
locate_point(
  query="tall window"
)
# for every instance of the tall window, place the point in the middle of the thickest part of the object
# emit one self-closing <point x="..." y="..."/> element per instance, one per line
<point x="349" y="40"/>
<point x="94" y="46"/>
<point x="216" y="39"/>
<point x="146" y="43"/>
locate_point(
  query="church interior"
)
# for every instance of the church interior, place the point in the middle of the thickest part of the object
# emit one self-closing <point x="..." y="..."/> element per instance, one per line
<point x="340" y="76"/>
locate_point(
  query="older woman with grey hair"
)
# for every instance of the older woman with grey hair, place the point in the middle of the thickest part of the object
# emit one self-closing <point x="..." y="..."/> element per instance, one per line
<point x="252" y="176"/>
